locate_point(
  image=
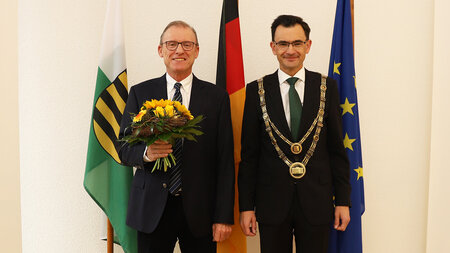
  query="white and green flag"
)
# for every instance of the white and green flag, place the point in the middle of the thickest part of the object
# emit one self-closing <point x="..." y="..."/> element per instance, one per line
<point x="106" y="181"/>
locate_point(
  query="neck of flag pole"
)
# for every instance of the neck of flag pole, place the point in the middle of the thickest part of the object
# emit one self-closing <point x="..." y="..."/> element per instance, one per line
<point x="110" y="238"/>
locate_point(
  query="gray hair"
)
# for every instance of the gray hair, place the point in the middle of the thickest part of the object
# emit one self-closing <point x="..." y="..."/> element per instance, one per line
<point x="180" y="24"/>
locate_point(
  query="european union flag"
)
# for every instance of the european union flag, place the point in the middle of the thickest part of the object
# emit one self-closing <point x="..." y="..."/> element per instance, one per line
<point x="342" y="69"/>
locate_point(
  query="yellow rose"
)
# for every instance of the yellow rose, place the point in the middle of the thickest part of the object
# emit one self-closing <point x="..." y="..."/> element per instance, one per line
<point x="138" y="117"/>
<point x="161" y="103"/>
<point x="182" y="109"/>
<point x="169" y="110"/>
<point x="150" y="104"/>
<point x="177" y="104"/>
<point x="188" y="113"/>
<point x="159" y="111"/>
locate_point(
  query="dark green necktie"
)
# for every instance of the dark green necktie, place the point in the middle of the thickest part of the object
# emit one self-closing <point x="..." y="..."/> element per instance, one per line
<point x="295" y="107"/>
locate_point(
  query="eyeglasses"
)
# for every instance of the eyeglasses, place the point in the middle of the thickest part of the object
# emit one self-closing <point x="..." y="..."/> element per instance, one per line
<point x="173" y="45"/>
<point x="284" y="45"/>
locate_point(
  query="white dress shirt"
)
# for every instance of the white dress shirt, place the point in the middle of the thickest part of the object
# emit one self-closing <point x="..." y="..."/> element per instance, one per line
<point x="284" y="89"/>
<point x="186" y="87"/>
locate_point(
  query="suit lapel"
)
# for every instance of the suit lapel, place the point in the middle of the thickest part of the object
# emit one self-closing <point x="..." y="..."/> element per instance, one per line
<point x="196" y="107"/>
<point x="275" y="104"/>
<point x="311" y="102"/>
<point x="197" y="97"/>
<point x="160" y="88"/>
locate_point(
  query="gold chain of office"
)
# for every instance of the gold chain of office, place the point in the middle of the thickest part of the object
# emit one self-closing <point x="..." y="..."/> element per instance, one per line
<point x="297" y="169"/>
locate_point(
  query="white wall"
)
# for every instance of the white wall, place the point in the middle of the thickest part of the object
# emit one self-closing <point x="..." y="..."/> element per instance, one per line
<point x="59" y="46"/>
<point x="394" y="46"/>
<point x="58" y="54"/>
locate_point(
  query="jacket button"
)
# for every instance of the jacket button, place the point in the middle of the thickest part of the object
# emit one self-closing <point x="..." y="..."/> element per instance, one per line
<point x="164" y="185"/>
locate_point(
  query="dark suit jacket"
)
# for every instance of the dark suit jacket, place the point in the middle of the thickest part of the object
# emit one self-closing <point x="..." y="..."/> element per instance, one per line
<point x="207" y="165"/>
<point x="265" y="184"/>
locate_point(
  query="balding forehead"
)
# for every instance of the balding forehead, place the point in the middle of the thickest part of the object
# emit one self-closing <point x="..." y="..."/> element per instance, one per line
<point x="180" y="24"/>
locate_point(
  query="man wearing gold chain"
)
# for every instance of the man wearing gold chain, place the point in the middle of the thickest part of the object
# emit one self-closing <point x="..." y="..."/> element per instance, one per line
<point x="294" y="174"/>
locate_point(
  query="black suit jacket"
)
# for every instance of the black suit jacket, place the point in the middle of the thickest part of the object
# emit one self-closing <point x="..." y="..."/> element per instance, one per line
<point x="265" y="184"/>
<point x="207" y="165"/>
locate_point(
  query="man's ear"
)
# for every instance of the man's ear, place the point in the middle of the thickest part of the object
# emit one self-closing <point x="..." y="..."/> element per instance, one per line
<point x="160" y="50"/>
<point x="272" y="45"/>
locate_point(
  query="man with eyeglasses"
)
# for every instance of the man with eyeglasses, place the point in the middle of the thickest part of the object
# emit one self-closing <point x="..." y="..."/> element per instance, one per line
<point x="193" y="201"/>
<point x="293" y="158"/>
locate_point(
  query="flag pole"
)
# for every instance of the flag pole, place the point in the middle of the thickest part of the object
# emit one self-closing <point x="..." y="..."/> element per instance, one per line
<point x="110" y="238"/>
<point x="352" y="7"/>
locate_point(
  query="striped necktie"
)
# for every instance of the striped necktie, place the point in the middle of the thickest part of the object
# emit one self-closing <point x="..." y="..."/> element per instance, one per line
<point x="175" y="173"/>
<point x="295" y="107"/>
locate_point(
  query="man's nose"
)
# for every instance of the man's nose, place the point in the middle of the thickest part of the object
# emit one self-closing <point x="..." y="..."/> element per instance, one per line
<point x="290" y="48"/>
<point x="179" y="49"/>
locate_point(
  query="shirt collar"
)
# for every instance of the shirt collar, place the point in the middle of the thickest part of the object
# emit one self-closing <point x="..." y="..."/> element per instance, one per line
<point x="282" y="76"/>
<point x="185" y="83"/>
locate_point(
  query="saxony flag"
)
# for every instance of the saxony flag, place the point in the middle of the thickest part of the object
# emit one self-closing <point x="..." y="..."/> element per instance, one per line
<point x="106" y="181"/>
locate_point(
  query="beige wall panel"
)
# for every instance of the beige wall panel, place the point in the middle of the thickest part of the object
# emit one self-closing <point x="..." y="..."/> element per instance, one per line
<point x="439" y="204"/>
<point x="10" y="228"/>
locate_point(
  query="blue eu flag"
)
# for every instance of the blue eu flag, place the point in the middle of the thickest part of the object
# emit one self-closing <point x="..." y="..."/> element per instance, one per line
<point x="342" y="69"/>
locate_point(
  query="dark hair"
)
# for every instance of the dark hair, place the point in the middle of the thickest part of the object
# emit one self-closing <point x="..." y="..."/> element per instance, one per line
<point x="289" y="21"/>
<point x="178" y="23"/>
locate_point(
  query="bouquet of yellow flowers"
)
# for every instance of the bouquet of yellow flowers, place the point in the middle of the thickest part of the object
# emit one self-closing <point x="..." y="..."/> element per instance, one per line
<point x="163" y="120"/>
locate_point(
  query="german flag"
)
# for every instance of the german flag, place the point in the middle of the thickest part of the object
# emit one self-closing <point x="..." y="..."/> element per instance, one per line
<point x="230" y="76"/>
